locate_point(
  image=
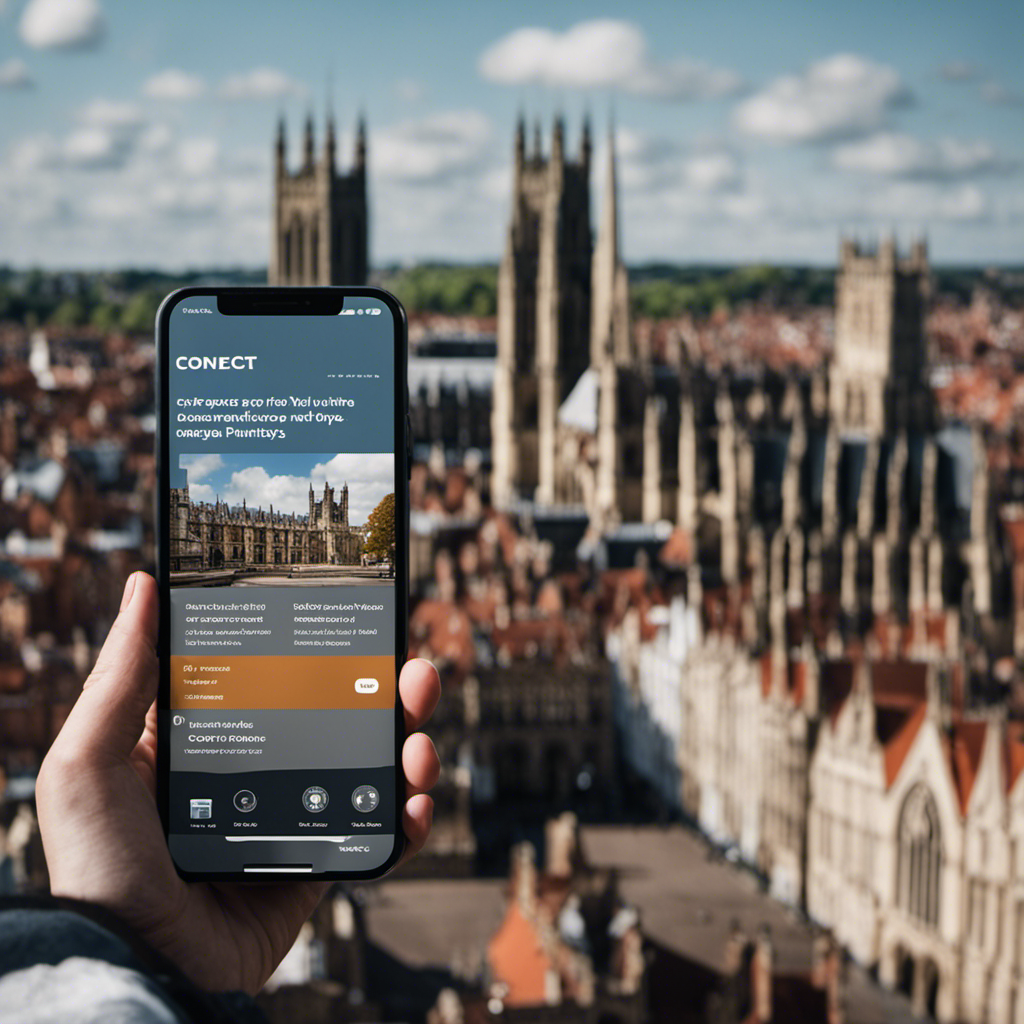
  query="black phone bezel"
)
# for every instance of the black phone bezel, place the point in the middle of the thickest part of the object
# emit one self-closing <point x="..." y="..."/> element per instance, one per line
<point x="286" y="301"/>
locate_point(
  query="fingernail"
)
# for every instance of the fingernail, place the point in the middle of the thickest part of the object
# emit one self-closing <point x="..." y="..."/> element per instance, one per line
<point x="129" y="589"/>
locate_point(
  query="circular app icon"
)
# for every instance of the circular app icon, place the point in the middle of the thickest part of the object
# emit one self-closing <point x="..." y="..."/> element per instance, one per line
<point x="179" y="719"/>
<point x="314" y="799"/>
<point x="365" y="799"/>
<point x="245" y="801"/>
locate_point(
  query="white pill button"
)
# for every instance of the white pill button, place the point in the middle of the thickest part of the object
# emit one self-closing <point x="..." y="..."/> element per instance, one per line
<point x="367" y="686"/>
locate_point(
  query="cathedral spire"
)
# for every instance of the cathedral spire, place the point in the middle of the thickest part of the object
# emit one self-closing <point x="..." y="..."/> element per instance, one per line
<point x="520" y="145"/>
<point x="609" y="330"/>
<point x="610" y="200"/>
<point x="280" y="146"/>
<point x="329" y="141"/>
<point x="585" y="145"/>
<point x="308" y="143"/>
<point x="361" y="143"/>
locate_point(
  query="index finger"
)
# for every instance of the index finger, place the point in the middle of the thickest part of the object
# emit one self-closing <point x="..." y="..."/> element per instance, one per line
<point x="420" y="689"/>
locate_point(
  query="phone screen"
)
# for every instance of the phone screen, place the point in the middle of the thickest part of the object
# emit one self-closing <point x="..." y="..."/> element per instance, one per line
<point x="280" y="536"/>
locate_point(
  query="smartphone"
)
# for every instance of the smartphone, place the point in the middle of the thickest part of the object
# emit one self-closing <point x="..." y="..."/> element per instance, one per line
<point x="282" y="554"/>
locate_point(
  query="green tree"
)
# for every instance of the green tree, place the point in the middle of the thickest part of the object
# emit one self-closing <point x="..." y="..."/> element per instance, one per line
<point x="138" y="316"/>
<point x="380" y="543"/>
<point x="106" y="316"/>
<point x="70" y="313"/>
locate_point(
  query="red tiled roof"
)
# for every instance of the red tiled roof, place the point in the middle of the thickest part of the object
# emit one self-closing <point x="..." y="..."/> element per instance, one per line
<point x="797" y="678"/>
<point x="444" y="630"/>
<point x="12" y="678"/>
<point x="899" y="684"/>
<point x="517" y="957"/>
<point x="549" y="636"/>
<point x="677" y="551"/>
<point x="1014" y="753"/>
<point x="967" y="740"/>
<point x="896" y="731"/>
<point x="722" y="609"/>
<point x="836" y="686"/>
<point x="794" y="999"/>
<point x="766" y="674"/>
<point x="1015" y="533"/>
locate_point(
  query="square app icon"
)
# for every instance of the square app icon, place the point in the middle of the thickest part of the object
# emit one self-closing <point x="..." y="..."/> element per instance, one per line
<point x="200" y="809"/>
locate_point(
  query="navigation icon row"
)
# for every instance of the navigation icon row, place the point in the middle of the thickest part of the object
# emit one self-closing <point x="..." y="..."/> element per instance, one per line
<point x="315" y="799"/>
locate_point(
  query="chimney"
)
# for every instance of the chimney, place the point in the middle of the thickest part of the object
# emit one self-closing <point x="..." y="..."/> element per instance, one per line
<point x="827" y="974"/>
<point x="812" y="679"/>
<point x="524" y="877"/>
<point x="734" y="946"/>
<point x="848" y="574"/>
<point x="761" y="975"/>
<point x="562" y="845"/>
<point x="881" y="597"/>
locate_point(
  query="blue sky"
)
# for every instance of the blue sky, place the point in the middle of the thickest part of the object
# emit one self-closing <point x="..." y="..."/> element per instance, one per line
<point x="141" y="133"/>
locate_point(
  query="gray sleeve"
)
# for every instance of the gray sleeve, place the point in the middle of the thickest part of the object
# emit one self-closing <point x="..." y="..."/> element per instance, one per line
<point x="79" y="990"/>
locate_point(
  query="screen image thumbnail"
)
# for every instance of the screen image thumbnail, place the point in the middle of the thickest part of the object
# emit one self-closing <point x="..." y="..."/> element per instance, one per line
<point x="282" y="519"/>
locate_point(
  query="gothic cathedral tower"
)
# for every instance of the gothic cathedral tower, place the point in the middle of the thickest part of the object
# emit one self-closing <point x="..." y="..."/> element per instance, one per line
<point x="544" y="300"/>
<point x="320" y="216"/>
<point x="878" y="381"/>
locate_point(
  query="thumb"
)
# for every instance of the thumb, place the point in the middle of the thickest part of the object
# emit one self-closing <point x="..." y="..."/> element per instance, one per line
<point x="110" y="714"/>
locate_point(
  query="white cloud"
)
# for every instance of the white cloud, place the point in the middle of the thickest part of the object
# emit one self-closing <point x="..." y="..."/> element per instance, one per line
<point x="895" y="155"/>
<point x="112" y="114"/>
<point x="199" y="466"/>
<point x="173" y="84"/>
<point x="841" y="96"/>
<point x="924" y="203"/>
<point x="105" y="137"/>
<point x="96" y="146"/>
<point x="431" y="148"/>
<point x="958" y="71"/>
<point x="15" y="75"/>
<point x="155" y="138"/>
<point x="998" y="95"/>
<point x="440" y="187"/>
<point x="369" y="478"/>
<point x="32" y="152"/>
<point x="260" y="84"/>
<point x="121" y="188"/>
<point x="656" y="166"/>
<point x="600" y="53"/>
<point x="712" y="171"/>
<point x="409" y="90"/>
<point x="61" y="24"/>
<point x="198" y="157"/>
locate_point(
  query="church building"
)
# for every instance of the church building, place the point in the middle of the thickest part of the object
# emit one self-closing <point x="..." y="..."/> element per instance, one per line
<point x="320" y="222"/>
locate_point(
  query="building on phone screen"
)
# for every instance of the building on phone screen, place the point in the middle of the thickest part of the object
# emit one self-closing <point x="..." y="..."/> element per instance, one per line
<point x="218" y="536"/>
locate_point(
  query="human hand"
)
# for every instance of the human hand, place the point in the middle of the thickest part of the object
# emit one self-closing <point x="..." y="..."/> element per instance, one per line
<point x="104" y="842"/>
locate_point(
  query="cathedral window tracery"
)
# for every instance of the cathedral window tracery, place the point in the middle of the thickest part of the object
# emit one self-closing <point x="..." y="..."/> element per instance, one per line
<point x="920" y="857"/>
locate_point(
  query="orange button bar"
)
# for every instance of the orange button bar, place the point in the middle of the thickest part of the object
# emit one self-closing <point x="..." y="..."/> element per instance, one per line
<point x="255" y="682"/>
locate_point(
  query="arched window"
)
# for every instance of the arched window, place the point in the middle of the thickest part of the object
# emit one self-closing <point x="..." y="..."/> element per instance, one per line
<point x="920" y="857"/>
<point x="314" y="254"/>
